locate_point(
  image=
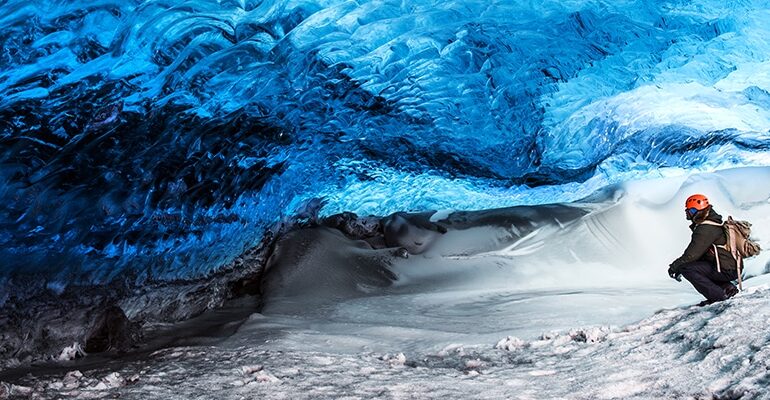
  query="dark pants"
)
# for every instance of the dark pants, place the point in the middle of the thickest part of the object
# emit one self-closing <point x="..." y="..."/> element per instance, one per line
<point x="707" y="280"/>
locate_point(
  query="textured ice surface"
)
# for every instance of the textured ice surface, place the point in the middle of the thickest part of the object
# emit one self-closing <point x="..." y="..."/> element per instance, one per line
<point x="154" y="140"/>
<point x="719" y="351"/>
<point x="148" y="141"/>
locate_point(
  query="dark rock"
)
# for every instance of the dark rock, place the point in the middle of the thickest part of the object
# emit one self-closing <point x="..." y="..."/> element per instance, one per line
<point x="401" y="252"/>
<point x="414" y="232"/>
<point x="111" y="330"/>
<point x="316" y="266"/>
<point x="353" y="226"/>
<point x="248" y="286"/>
<point x="377" y="242"/>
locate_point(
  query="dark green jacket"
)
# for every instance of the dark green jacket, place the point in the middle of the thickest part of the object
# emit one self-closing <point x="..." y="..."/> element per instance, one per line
<point x="701" y="245"/>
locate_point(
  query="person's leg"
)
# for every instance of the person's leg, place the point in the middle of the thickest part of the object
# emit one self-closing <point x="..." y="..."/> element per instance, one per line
<point x="706" y="280"/>
<point x="724" y="280"/>
<point x="730" y="289"/>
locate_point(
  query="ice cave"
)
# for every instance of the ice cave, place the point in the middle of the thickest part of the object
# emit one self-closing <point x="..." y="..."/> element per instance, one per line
<point x="353" y="199"/>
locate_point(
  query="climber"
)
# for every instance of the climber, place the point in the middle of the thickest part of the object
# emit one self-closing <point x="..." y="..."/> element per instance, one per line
<point x="698" y="264"/>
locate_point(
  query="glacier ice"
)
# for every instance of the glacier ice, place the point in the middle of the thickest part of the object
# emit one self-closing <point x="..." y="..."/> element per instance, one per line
<point x="150" y="141"/>
<point x="151" y="152"/>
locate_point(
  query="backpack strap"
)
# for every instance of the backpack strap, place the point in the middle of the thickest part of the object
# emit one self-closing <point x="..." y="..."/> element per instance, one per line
<point x="707" y="222"/>
<point x="716" y="246"/>
<point x="716" y="255"/>
<point x="725" y="246"/>
<point x="730" y="247"/>
<point x="736" y="255"/>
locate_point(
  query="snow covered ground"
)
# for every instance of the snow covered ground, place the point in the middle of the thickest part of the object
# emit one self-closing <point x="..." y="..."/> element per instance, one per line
<point x="721" y="351"/>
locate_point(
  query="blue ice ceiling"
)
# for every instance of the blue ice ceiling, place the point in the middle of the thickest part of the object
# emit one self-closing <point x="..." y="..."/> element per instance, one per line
<point x="159" y="139"/>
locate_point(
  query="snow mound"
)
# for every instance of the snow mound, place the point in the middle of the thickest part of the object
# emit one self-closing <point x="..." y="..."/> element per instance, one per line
<point x="718" y="351"/>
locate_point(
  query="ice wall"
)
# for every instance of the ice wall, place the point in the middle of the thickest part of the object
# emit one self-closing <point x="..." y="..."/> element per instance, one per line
<point x="154" y="140"/>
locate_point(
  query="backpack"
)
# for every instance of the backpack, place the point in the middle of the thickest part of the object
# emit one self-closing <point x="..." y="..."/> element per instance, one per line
<point x="738" y="239"/>
<point x="739" y="243"/>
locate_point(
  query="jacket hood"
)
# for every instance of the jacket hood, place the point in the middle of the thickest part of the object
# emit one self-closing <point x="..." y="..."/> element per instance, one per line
<point x="711" y="216"/>
<point x="714" y="216"/>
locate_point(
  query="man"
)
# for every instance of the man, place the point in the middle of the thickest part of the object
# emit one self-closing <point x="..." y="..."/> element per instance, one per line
<point x="698" y="264"/>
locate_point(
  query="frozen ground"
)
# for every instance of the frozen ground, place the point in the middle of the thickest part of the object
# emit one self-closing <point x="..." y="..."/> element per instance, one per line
<point x="540" y="303"/>
<point x="721" y="351"/>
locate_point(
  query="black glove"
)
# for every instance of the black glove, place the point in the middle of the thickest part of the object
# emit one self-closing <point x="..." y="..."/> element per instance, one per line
<point x="673" y="272"/>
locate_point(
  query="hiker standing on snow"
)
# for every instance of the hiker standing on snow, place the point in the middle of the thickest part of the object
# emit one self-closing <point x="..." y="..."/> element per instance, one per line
<point x="699" y="265"/>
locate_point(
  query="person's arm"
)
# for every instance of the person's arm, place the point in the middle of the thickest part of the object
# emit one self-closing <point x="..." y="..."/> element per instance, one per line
<point x="702" y="239"/>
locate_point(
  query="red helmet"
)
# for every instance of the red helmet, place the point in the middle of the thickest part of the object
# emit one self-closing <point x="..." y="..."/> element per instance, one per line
<point x="696" y="201"/>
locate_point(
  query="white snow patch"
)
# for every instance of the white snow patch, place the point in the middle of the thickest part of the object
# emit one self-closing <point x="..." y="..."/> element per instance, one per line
<point x="621" y="390"/>
<point x="111" y="381"/>
<point x="397" y="361"/>
<point x="255" y="373"/>
<point x="20" y="390"/>
<point x="323" y="361"/>
<point x="367" y="371"/>
<point x="718" y="385"/>
<point x="510" y="343"/>
<point x="265" y="377"/>
<point x="71" y="352"/>
<point x="454" y="348"/>
<point x="542" y="372"/>
<point x="441" y="214"/>
<point x="250" y="369"/>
